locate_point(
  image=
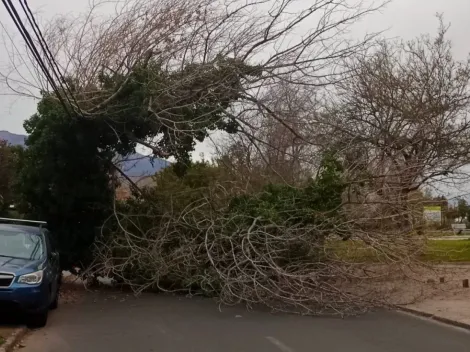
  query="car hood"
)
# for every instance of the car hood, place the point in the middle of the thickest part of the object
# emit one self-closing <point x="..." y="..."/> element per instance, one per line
<point x="17" y="265"/>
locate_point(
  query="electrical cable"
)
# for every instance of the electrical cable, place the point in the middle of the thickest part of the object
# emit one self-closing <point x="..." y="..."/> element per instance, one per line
<point x="30" y="44"/>
<point x="18" y="52"/>
<point x="50" y="57"/>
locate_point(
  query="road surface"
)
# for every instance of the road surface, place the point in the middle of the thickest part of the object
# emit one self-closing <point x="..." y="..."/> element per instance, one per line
<point x="119" y="323"/>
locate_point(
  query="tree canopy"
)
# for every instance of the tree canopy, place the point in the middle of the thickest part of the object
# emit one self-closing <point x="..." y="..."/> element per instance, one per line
<point x="64" y="178"/>
<point x="68" y="174"/>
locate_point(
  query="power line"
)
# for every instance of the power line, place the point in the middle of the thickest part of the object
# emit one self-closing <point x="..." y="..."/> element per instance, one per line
<point x="17" y="50"/>
<point x="51" y="65"/>
<point x="12" y="12"/>
<point x="31" y="46"/>
<point x="45" y="47"/>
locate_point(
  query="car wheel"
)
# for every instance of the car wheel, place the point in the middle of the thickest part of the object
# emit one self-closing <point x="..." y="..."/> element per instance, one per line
<point x="55" y="302"/>
<point x="38" y="320"/>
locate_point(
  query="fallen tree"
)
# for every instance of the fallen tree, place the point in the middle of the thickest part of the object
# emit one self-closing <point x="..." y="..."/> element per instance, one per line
<point x="166" y="74"/>
<point x="279" y="247"/>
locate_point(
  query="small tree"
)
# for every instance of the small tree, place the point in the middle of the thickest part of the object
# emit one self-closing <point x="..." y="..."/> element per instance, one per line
<point x="463" y="210"/>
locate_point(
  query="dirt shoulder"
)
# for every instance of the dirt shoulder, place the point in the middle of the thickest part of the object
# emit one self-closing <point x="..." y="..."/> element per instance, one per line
<point x="5" y="332"/>
<point x="449" y="300"/>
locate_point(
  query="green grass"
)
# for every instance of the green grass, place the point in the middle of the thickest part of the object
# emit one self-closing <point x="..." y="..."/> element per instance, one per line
<point x="352" y="251"/>
<point x="445" y="251"/>
<point x="2" y="340"/>
<point x="439" y="233"/>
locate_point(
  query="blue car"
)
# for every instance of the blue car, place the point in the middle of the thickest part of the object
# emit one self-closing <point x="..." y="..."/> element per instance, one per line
<point x="30" y="274"/>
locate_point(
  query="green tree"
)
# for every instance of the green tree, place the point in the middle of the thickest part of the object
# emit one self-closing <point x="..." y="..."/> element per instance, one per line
<point x="64" y="179"/>
<point x="463" y="209"/>
<point x="316" y="203"/>
<point x="179" y="107"/>
<point x="67" y="177"/>
<point x="9" y="162"/>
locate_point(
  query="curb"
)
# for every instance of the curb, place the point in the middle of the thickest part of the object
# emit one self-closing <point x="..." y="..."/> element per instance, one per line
<point x="13" y="339"/>
<point x="432" y="317"/>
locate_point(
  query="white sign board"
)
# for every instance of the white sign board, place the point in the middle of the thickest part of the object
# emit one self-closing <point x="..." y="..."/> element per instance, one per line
<point x="432" y="214"/>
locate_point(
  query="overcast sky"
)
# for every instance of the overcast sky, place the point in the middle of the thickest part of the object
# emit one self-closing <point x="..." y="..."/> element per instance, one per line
<point x="401" y="18"/>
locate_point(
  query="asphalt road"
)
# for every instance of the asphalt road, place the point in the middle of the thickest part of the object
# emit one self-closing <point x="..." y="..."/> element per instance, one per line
<point x="119" y="323"/>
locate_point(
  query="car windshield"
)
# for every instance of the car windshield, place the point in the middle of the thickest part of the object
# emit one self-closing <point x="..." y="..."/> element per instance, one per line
<point x="21" y="245"/>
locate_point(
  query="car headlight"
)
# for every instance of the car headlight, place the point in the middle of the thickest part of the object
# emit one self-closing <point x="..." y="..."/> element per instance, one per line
<point x="32" y="278"/>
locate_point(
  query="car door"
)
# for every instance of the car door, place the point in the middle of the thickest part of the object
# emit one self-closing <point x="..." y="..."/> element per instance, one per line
<point x="52" y="264"/>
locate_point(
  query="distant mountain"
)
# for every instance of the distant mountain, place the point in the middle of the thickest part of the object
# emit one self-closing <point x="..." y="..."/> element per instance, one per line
<point x="135" y="165"/>
<point x="13" y="139"/>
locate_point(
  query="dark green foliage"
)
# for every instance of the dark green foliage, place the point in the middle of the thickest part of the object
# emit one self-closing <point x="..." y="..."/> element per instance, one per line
<point x="9" y="163"/>
<point x="64" y="179"/>
<point x="313" y="204"/>
<point x="303" y="216"/>
<point x="463" y="209"/>
<point x="175" y="194"/>
<point x="180" y="107"/>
